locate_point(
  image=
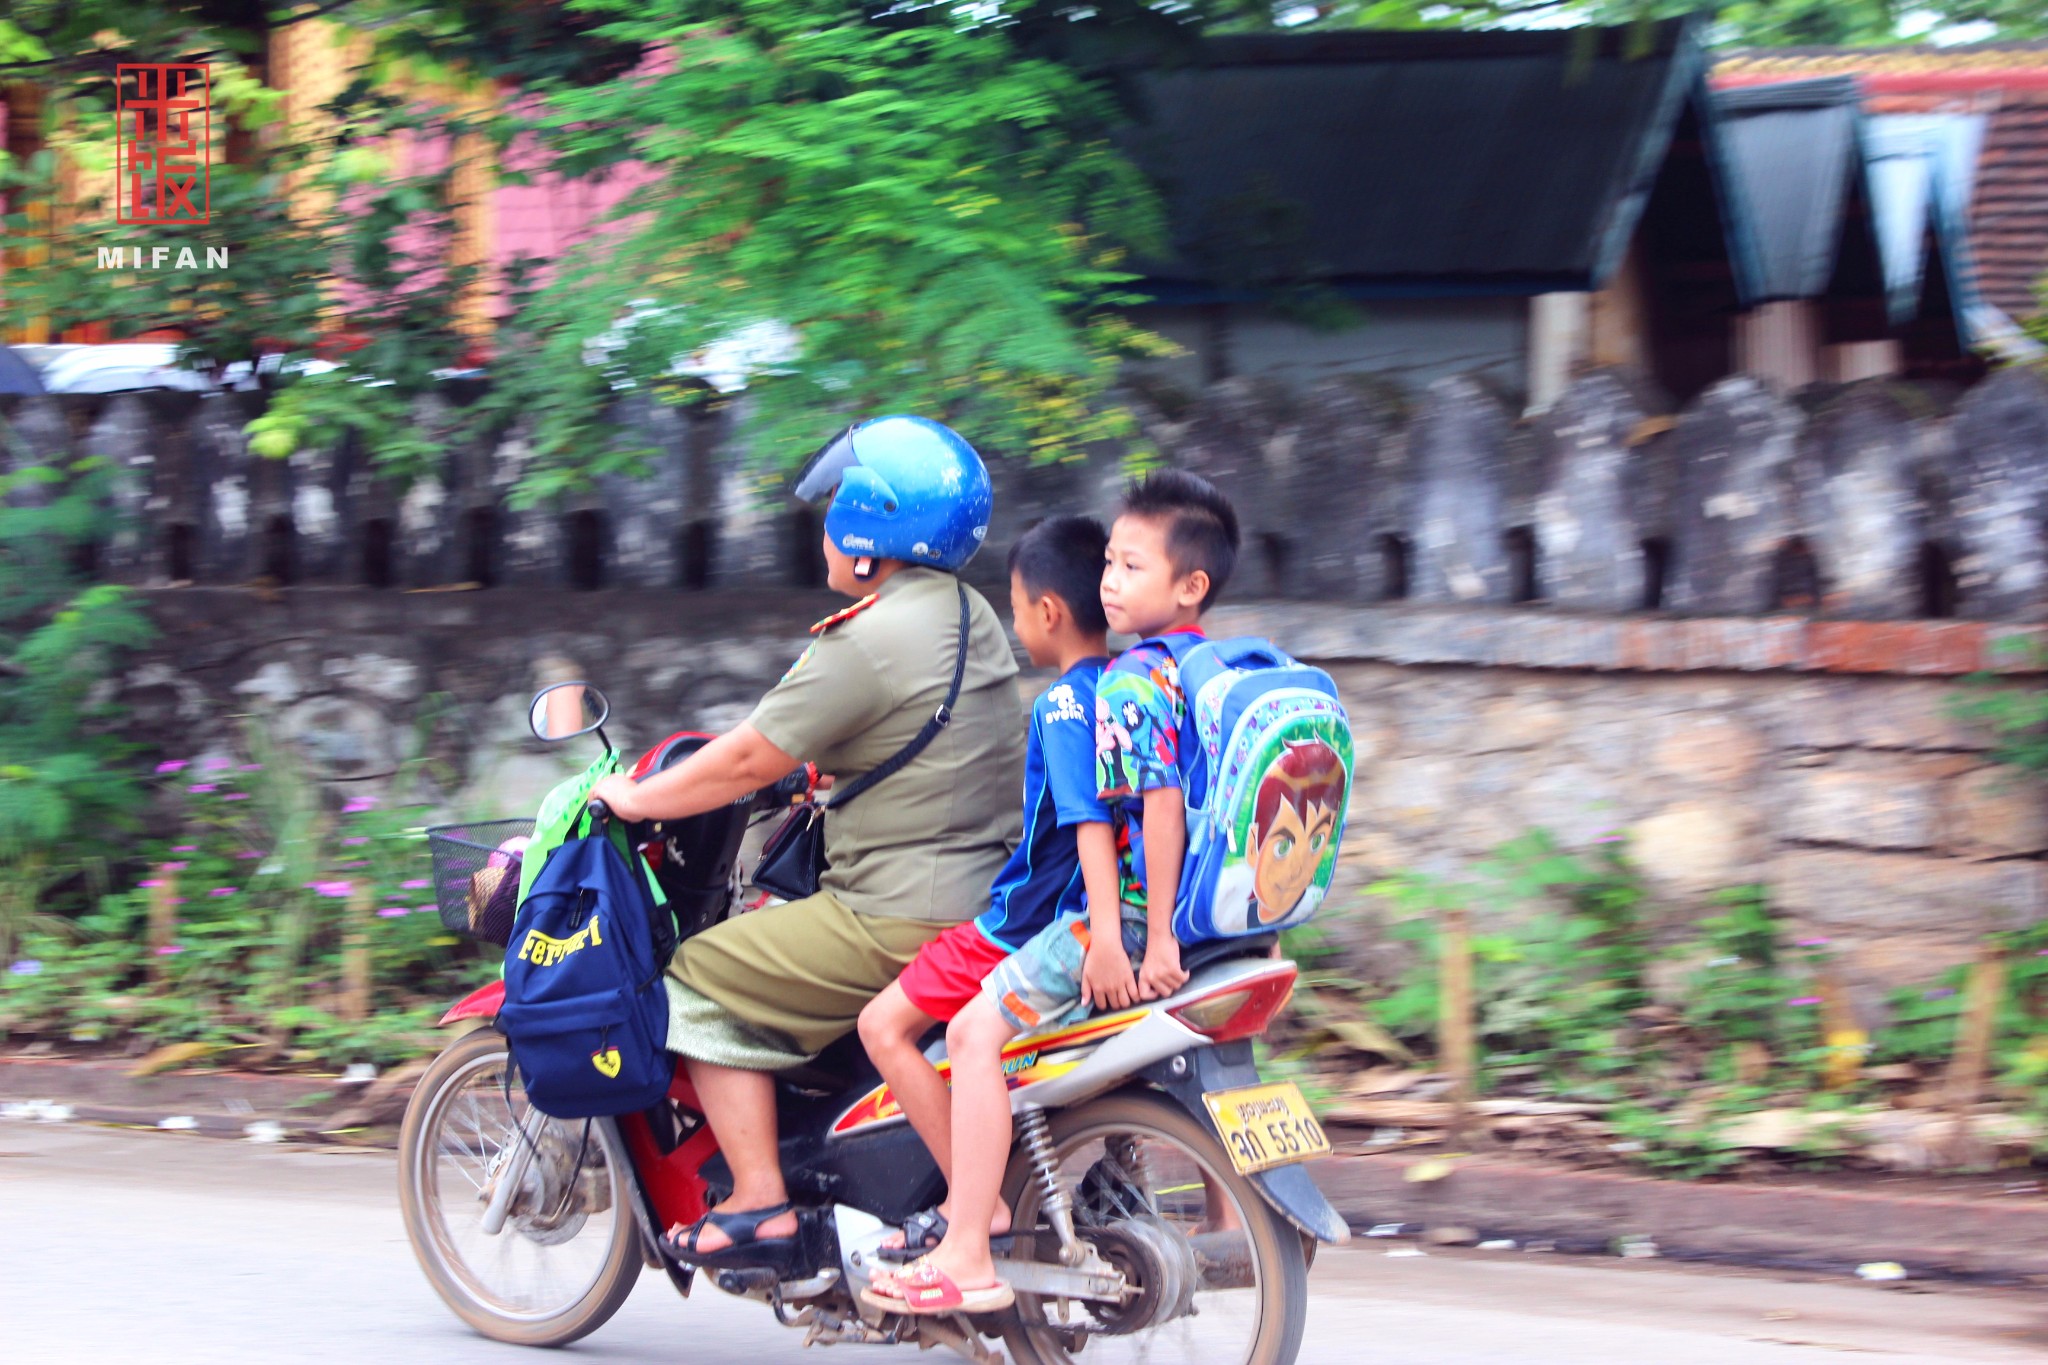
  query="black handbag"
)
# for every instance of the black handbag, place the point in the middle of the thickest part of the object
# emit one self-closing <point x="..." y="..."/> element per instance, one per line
<point x="793" y="859"/>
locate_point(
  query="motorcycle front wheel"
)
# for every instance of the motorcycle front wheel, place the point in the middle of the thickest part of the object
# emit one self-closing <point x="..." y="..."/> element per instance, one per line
<point x="1153" y="1190"/>
<point x="565" y="1255"/>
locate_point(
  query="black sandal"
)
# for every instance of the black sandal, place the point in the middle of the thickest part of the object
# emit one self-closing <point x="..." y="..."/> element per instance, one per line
<point x="749" y="1248"/>
<point x="921" y="1232"/>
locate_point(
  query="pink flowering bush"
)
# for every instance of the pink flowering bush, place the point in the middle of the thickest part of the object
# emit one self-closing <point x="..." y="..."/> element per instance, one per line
<point x="270" y="877"/>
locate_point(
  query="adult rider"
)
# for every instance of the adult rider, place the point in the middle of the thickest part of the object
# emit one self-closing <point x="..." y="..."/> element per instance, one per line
<point x="910" y="505"/>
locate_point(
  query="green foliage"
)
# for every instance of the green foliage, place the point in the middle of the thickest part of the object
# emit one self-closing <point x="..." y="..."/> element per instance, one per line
<point x="1558" y="958"/>
<point x="936" y="218"/>
<point x="269" y="889"/>
<point x="2013" y="710"/>
<point x="64" y="793"/>
<point x="1668" y="1144"/>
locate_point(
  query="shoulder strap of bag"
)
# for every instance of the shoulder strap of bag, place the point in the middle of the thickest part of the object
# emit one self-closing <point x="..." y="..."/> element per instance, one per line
<point x="941" y="718"/>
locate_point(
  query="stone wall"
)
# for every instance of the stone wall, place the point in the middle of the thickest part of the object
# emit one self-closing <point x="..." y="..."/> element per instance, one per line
<point x="1824" y="761"/>
<point x="1821" y="758"/>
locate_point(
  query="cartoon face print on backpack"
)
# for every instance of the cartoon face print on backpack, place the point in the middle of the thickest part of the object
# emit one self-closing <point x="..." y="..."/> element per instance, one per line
<point x="1300" y="797"/>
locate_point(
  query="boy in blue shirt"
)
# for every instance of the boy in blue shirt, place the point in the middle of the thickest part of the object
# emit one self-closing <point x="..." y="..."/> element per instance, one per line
<point x="1067" y="849"/>
<point x="1169" y="555"/>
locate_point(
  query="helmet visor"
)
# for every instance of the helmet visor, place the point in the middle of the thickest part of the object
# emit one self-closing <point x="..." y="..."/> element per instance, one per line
<point x="823" y="471"/>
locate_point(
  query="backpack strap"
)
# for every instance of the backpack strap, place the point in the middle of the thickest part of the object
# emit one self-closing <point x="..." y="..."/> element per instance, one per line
<point x="941" y="718"/>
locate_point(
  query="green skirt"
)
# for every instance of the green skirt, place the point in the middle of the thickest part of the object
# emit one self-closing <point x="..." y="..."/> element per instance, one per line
<point x="791" y="979"/>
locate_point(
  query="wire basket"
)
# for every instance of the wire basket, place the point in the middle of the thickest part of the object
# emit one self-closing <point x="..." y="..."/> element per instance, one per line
<point x="476" y="877"/>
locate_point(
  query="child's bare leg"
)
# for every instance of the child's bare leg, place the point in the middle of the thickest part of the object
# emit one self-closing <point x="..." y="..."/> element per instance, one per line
<point x="981" y="1131"/>
<point x="889" y="1029"/>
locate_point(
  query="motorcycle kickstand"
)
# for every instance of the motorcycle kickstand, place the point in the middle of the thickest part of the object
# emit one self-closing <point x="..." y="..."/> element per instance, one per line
<point x="957" y="1332"/>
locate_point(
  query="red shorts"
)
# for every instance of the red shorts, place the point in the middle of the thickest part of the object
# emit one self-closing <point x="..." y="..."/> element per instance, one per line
<point x="948" y="971"/>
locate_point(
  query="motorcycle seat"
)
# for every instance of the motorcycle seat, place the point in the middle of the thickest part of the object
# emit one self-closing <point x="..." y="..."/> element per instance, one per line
<point x="1224" y="949"/>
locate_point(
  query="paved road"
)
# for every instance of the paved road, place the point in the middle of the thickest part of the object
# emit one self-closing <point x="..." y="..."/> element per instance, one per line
<point x="163" y="1248"/>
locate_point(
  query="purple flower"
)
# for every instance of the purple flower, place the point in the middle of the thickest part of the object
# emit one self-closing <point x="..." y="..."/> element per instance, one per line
<point x="416" y="884"/>
<point x="214" y="765"/>
<point x="236" y="796"/>
<point x="153" y="881"/>
<point x="355" y="841"/>
<point x="251" y="768"/>
<point x="1805" y="1000"/>
<point x="428" y="909"/>
<point x="200" y="787"/>
<point x="393" y="912"/>
<point x="1938" y="993"/>
<point x="170" y="950"/>
<point x="358" y="804"/>
<point x="222" y="891"/>
<point x="171" y="766"/>
<point x="248" y="855"/>
<point x="357" y="863"/>
<point x="1813" y="942"/>
<point x="337" y="890"/>
<point x="185" y="848"/>
<point x="174" y="867"/>
<point x="28" y="966"/>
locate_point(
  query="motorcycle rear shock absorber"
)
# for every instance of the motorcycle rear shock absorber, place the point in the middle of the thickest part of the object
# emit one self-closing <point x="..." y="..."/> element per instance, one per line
<point x="1059" y="1208"/>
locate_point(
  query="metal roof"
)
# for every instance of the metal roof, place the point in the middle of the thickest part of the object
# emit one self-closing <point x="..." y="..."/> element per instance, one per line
<point x="1423" y="162"/>
<point x="1797" y="147"/>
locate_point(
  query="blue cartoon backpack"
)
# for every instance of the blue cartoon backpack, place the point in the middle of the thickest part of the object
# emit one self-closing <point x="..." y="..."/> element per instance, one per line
<point x="586" y="1013"/>
<point x="1267" y="801"/>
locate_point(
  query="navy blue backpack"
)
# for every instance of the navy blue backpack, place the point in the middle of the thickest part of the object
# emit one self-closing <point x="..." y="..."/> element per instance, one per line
<point x="585" y="1010"/>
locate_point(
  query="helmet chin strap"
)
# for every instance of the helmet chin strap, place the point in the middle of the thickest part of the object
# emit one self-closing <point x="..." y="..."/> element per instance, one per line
<point x="864" y="568"/>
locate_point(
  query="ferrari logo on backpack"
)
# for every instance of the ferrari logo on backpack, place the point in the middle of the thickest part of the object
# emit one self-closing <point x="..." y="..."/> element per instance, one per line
<point x="543" y="951"/>
<point x="606" y="1060"/>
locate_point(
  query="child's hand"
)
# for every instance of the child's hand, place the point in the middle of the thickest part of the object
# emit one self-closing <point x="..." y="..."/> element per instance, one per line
<point x="1161" y="975"/>
<point x="1106" y="979"/>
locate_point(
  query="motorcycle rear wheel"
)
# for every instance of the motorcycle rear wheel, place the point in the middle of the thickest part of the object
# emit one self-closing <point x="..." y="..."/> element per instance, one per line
<point x="1181" y="1151"/>
<point x="458" y="1133"/>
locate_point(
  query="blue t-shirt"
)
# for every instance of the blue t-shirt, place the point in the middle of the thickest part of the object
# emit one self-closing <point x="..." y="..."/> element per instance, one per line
<point x="1141" y="745"/>
<point x="1042" y="880"/>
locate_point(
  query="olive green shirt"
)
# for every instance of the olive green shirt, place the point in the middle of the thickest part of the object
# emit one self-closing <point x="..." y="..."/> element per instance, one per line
<point x="926" y="842"/>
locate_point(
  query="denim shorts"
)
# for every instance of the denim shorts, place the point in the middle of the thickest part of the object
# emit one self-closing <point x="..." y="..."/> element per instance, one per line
<point x="1039" y="985"/>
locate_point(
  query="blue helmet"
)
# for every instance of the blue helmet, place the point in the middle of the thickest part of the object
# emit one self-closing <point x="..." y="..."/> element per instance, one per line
<point x="906" y="488"/>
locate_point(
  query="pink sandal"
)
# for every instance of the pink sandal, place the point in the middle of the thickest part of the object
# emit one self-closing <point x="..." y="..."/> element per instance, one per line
<point x="924" y="1289"/>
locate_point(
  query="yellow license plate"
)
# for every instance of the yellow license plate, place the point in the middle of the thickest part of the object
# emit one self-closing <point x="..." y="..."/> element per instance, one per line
<point x="1265" y="1126"/>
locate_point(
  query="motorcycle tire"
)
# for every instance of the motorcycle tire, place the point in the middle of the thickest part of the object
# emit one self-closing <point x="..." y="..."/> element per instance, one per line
<point x="1280" y="1258"/>
<point x="466" y="1060"/>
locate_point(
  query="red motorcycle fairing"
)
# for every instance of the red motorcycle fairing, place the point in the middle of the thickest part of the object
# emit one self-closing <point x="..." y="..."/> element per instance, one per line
<point x="675" y="1188"/>
<point x="673" y="1182"/>
<point x="481" y="1003"/>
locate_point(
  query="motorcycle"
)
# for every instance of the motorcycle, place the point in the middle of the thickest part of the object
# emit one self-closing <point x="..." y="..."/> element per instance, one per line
<point x="1160" y="1210"/>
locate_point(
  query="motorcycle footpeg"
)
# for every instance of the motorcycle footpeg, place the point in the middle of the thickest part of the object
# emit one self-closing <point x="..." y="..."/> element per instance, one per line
<point x="744" y="1280"/>
<point x="1003" y="1246"/>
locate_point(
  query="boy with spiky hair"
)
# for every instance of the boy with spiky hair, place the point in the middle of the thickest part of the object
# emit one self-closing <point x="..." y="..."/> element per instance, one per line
<point x="1169" y="555"/>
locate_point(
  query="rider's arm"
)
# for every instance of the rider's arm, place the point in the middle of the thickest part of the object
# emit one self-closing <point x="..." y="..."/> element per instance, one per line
<point x="739" y="762"/>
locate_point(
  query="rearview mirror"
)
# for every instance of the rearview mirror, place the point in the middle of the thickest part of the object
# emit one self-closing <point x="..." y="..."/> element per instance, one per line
<point x="567" y="710"/>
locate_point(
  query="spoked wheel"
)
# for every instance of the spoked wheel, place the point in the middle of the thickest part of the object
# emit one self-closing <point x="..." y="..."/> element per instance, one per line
<point x="565" y="1256"/>
<point x="1221" y="1278"/>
